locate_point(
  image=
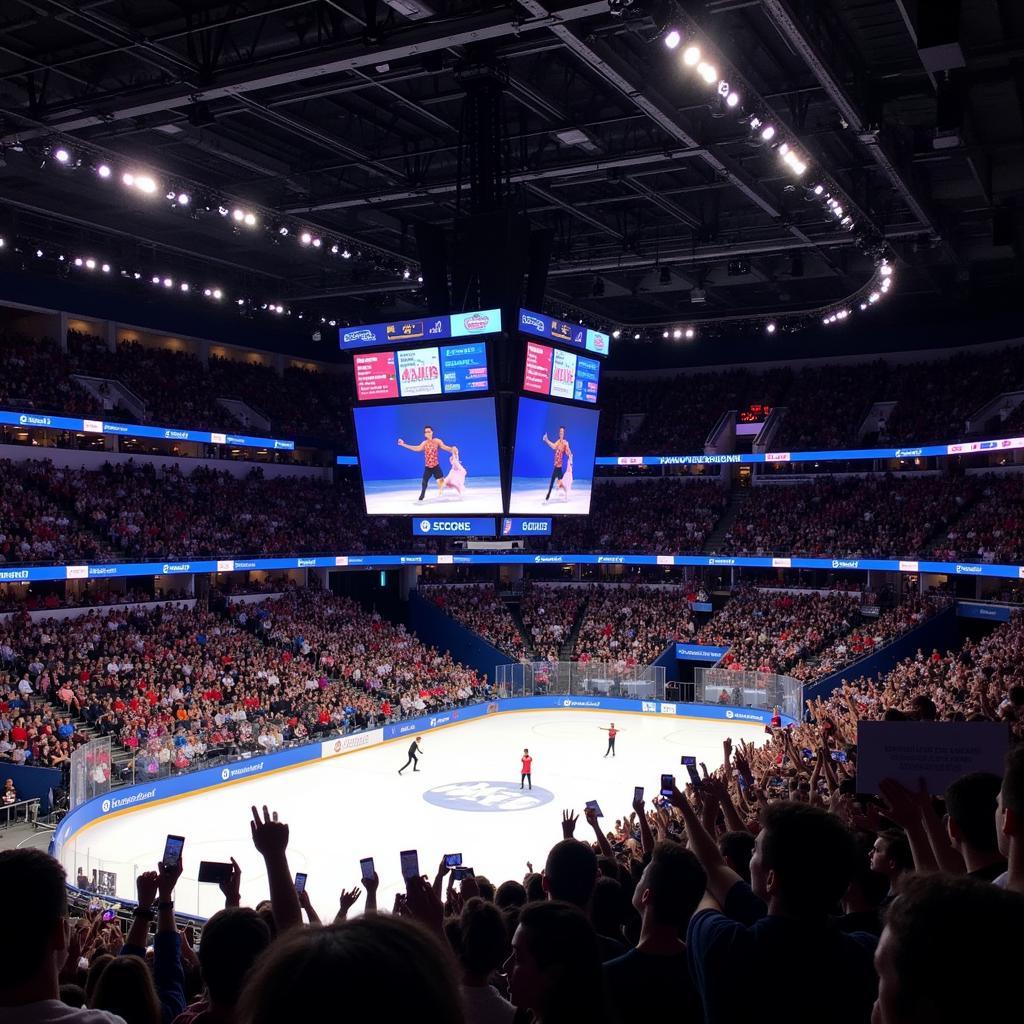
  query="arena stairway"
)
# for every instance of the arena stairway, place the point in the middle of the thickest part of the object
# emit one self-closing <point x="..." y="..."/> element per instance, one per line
<point x="512" y="604"/>
<point x="568" y="648"/>
<point x="737" y="499"/>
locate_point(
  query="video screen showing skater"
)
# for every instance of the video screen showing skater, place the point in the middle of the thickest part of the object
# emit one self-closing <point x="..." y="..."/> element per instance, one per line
<point x="553" y="463"/>
<point x="429" y="455"/>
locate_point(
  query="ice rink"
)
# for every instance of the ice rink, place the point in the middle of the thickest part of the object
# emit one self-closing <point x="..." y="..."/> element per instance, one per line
<point x="528" y="494"/>
<point x="465" y="799"/>
<point x="482" y="496"/>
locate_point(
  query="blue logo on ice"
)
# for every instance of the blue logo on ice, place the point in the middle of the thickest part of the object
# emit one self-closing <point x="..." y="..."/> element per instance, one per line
<point x="487" y="796"/>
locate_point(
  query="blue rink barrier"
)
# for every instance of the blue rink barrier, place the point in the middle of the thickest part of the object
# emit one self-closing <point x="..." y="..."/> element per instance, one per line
<point x="130" y="798"/>
<point x="27" y="574"/>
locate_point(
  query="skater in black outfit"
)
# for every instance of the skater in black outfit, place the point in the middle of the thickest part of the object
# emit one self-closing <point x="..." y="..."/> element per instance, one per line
<point x="414" y="749"/>
<point x="526" y="775"/>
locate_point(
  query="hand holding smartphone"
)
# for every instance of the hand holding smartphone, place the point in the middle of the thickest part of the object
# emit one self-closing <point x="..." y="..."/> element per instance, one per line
<point x="172" y="851"/>
<point x="638" y="794"/>
<point x="668" y="785"/>
<point x="452" y="860"/>
<point x="300" y="881"/>
<point x="366" y="869"/>
<point x="410" y="864"/>
<point x="214" y="871"/>
<point x="462" y="872"/>
<point x="593" y="805"/>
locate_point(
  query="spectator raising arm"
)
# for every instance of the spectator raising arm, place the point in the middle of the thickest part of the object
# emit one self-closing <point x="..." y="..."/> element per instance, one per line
<point x="270" y="837"/>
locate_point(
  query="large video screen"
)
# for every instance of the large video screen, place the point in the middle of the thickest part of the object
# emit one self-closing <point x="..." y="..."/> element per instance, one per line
<point x="550" y="371"/>
<point x="429" y="456"/>
<point x="553" y="462"/>
<point x="421" y="372"/>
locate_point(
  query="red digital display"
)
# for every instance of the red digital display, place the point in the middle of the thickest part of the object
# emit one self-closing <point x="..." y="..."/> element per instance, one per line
<point x="537" y="376"/>
<point x="375" y="376"/>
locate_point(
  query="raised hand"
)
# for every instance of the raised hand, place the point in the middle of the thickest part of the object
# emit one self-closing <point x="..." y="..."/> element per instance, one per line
<point x="345" y="900"/>
<point x="727" y="749"/>
<point x="424" y="904"/>
<point x="269" y="836"/>
<point x="904" y="807"/>
<point x="371" y="884"/>
<point x="147" y="886"/>
<point x="569" y="824"/>
<point x="232" y="886"/>
<point x="167" y="879"/>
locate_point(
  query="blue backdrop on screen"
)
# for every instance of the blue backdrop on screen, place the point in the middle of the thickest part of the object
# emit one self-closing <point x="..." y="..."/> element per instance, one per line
<point x="533" y="460"/>
<point x="393" y="476"/>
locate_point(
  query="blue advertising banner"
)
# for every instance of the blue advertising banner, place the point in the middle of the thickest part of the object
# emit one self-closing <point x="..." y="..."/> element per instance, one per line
<point x="430" y="328"/>
<point x="465" y="526"/>
<point x="585" y="385"/>
<point x="347" y="460"/>
<point x="516" y="526"/>
<point x="464" y="368"/>
<point x="700" y="652"/>
<point x="21" y="419"/>
<point x="991" y="612"/>
<point x="562" y="331"/>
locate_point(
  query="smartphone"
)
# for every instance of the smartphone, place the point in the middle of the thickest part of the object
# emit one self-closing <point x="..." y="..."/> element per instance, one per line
<point x="172" y="851"/>
<point x="638" y="794"/>
<point x="839" y="755"/>
<point x="595" y="807"/>
<point x="410" y="864"/>
<point x="109" y="915"/>
<point x="688" y="760"/>
<point x="214" y="871"/>
<point x="742" y="781"/>
<point x="300" y="881"/>
<point x="366" y="869"/>
<point x="691" y="770"/>
<point x="668" y="784"/>
<point x="462" y="872"/>
<point x="452" y="860"/>
<point x="807" y="752"/>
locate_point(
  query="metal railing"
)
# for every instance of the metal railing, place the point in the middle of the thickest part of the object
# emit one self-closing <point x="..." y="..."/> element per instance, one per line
<point x="750" y="689"/>
<point x="91" y="768"/>
<point x="603" y="678"/>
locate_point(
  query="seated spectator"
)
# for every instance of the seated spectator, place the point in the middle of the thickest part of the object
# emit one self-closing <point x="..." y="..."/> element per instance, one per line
<point x="481" y="951"/>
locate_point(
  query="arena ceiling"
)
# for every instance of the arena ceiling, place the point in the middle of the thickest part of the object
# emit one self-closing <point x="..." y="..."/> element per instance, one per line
<point x="345" y="119"/>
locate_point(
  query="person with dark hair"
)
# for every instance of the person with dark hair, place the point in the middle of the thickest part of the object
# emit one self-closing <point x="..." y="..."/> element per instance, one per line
<point x="233" y="940"/>
<point x="561" y="449"/>
<point x="668" y="893"/>
<point x="414" y="752"/>
<point x="736" y="849"/>
<point x="526" y="774"/>
<point x="862" y="901"/>
<point x="891" y="858"/>
<point x="555" y="966"/>
<point x="803" y="861"/>
<point x="607" y="914"/>
<point x="971" y="802"/>
<point x="1009" y="821"/>
<point x="431" y="463"/>
<point x="480" y="951"/>
<point x="96" y="966"/>
<point x="924" y="709"/>
<point x="612" y="733"/>
<point x="570" y="872"/>
<point x="354" y="968"/>
<point x="534" y="886"/>
<point x="949" y="952"/>
<point x="35" y="941"/>
<point x="126" y="988"/>
<point x="510" y="894"/>
<point x="73" y="995"/>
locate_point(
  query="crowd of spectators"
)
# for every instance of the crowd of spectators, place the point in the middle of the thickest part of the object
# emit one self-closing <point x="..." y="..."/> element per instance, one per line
<point x="479" y="607"/>
<point x="172" y="684"/>
<point x="992" y="528"/>
<point x="773" y="631"/>
<point x="883" y="516"/>
<point x="549" y="615"/>
<point x="35" y="374"/>
<point x="633" y="624"/>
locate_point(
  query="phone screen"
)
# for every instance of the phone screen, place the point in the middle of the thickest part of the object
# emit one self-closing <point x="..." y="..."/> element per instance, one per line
<point x="109" y="915"/>
<point x="366" y="868"/>
<point x="594" y="806"/>
<point x="300" y="881"/>
<point x="452" y="860"/>
<point x="214" y="871"/>
<point x="462" y="872"/>
<point x="668" y="783"/>
<point x="172" y="851"/>
<point x="638" y="794"/>
<point x="410" y="864"/>
<point x="691" y="770"/>
<point x="839" y="755"/>
<point x="687" y="760"/>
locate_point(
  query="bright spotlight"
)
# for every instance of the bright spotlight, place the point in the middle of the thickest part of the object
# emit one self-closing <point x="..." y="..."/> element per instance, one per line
<point x="784" y="149"/>
<point x="708" y="72"/>
<point x="61" y="155"/>
<point x="218" y="294"/>
<point x="168" y="282"/>
<point x="798" y="167"/>
<point x="874" y="297"/>
<point x="818" y="189"/>
<point x="406" y="274"/>
<point x="690" y="332"/>
<point x="39" y="254"/>
<point x="144" y="183"/>
<point x="184" y="286"/>
<point x="732" y="100"/>
<point x="156" y="280"/>
<point x="636" y="337"/>
<point x="103" y="171"/>
<point x="238" y="216"/>
<point x="105" y="268"/>
<point x="664" y="334"/>
<point x="770" y="328"/>
<point x="616" y="334"/>
<point x="78" y="261"/>
<point x="282" y="230"/>
<point x="334" y="249"/>
<point x="345" y="254"/>
<point x="305" y="238"/>
<point x="316" y="243"/>
<point x="128" y="178"/>
<point x="184" y="199"/>
<point x="250" y="220"/>
<point x="677" y="334"/>
<point x="723" y="88"/>
<point x="673" y="39"/>
<point x="90" y="264"/>
<point x="691" y="55"/>
<point x="885" y="270"/>
<point x="768" y="132"/>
